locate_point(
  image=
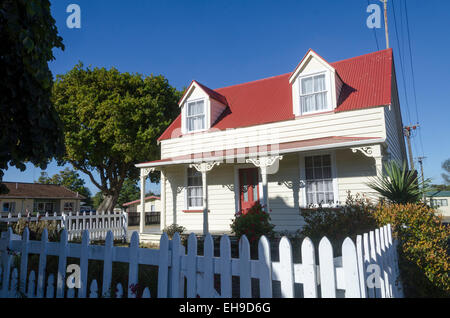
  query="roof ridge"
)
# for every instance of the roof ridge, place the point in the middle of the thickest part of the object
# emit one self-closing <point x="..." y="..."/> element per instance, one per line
<point x="252" y="82"/>
<point x="361" y="56"/>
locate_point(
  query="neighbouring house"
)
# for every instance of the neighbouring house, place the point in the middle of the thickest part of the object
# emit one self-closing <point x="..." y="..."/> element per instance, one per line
<point x="42" y="198"/>
<point x="290" y="141"/>
<point x="439" y="200"/>
<point x="152" y="204"/>
<point x="152" y="211"/>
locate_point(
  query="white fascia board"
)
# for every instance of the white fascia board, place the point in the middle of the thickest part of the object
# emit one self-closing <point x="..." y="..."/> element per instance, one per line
<point x="311" y="54"/>
<point x="281" y="152"/>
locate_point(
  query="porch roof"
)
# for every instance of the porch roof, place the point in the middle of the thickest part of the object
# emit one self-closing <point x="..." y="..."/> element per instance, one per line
<point x="282" y="148"/>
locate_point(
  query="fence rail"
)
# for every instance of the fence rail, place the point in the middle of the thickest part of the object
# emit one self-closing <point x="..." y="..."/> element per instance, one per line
<point x="97" y="224"/>
<point x="150" y="218"/>
<point x="353" y="275"/>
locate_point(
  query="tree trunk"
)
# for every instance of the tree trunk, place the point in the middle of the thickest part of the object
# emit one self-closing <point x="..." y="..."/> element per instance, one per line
<point x="108" y="203"/>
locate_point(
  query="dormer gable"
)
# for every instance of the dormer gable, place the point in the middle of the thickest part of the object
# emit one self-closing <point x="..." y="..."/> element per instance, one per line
<point x="315" y="85"/>
<point x="200" y="108"/>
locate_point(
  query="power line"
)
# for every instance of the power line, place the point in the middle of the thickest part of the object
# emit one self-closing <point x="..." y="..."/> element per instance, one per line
<point x="401" y="63"/>
<point x="413" y="76"/>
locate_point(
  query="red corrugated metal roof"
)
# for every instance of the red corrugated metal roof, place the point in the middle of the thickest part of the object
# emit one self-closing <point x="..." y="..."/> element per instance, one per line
<point x="152" y="197"/>
<point x="367" y="83"/>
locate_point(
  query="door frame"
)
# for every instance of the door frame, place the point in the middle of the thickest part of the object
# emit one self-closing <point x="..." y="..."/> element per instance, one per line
<point x="237" y="195"/>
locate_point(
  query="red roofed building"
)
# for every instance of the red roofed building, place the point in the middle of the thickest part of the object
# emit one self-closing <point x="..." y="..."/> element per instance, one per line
<point x="295" y="140"/>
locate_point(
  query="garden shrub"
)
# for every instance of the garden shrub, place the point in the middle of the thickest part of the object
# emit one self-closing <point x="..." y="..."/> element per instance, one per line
<point x="253" y="223"/>
<point x="36" y="229"/>
<point x="338" y="223"/>
<point x="423" y="248"/>
<point x="172" y="229"/>
<point x="422" y="239"/>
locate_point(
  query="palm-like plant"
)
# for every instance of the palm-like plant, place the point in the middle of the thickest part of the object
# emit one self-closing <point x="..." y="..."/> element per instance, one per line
<point x="398" y="184"/>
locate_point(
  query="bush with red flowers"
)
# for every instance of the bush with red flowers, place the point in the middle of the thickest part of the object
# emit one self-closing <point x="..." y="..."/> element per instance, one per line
<point x="253" y="223"/>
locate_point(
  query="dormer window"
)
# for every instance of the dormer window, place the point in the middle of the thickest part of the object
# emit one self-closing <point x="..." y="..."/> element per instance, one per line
<point x="196" y="115"/>
<point x="313" y="94"/>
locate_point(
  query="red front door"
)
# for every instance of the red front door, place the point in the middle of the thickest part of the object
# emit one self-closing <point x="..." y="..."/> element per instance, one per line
<point x="248" y="187"/>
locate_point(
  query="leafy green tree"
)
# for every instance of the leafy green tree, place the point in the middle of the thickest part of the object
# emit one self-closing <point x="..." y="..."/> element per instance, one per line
<point x="130" y="192"/>
<point x="97" y="199"/>
<point x="111" y="122"/>
<point x="399" y="185"/>
<point x="30" y="130"/>
<point x="70" y="179"/>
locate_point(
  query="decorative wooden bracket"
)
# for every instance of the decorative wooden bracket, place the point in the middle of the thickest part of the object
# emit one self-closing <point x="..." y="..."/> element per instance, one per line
<point x="146" y="171"/>
<point x="367" y="151"/>
<point x="264" y="161"/>
<point x="204" y="166"/>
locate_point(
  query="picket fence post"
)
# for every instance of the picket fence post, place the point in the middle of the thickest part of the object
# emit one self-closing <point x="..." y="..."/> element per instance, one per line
<point x="350" y="265"/>
<point x="245" y="282"/>
<point x="225" y="267"/>
<point x="327" y="269"/>
<point x="24" y="260"/>
<point x="265" y="268"/>
<point x="191" y="287"/>
<point x="6" y="264"/>
<point x="286" y="268"/>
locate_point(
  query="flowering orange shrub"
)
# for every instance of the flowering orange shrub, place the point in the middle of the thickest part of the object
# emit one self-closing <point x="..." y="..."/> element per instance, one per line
<point x="423" y="247"/>
<point x="253" y="222"/>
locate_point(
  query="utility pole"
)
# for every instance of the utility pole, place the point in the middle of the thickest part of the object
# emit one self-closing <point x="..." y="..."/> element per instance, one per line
<point x="386" y="23"/>
<point x="420" y="160"/>
<point x="407" y="132"/>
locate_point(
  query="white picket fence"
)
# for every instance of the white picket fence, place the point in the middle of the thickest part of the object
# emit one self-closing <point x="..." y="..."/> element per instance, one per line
<point x="349" y="276"/>
<point x="98" y="225"/>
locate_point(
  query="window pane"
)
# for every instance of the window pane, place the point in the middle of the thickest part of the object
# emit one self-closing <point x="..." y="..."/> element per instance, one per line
<point x="319" y="83"/>
<point x="307" y="85"/>
<point x="308" y="162"/>
<point x="327" y="172"/>
<point x="319" y="184"/>
<point x="321" y="101"/>
<point x="318" y="173"/>
<point x="309" y="174"/>
<point x="317" y="161"/>
<point x="195" y="108"/>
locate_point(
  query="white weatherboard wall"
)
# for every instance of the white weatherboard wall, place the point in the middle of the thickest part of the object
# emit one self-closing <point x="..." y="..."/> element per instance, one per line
<point x="353" y="170"/>
<point x="357" y="123"/>
<point x="221" y="199"/>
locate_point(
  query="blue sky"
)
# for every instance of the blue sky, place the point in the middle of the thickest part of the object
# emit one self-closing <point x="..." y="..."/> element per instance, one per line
<point x="221" y="43"/>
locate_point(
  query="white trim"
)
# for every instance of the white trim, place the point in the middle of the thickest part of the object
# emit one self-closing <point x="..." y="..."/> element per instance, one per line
<point x="306" y="59"/>
<point x="302" y="149"/>
<point x="328" y="88"/>
<point x="334" y="176"/>
<point x="237" y="196"/>
<point x="206" y="114"/>
<point x="187" y="208"/>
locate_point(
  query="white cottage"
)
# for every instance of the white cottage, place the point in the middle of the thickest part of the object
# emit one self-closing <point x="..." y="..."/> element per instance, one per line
<point x="289" y="141"/>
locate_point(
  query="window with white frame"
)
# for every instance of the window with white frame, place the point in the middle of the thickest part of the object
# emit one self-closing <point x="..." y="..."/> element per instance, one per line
<point x="194" y="189"/>
<point x="9" y="206"/>
<point x="195" y="115"/>
<point x="439" y="202"/>
<point x="319" y="180"/>
<point x="68" y="207"/>
<point x="313" y="94"/>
